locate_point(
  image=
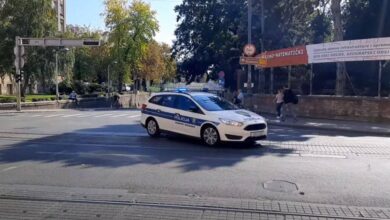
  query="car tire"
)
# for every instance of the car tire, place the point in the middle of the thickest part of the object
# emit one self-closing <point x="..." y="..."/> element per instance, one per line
<point x="152" y="128"/>
<point x="210" y="136"/>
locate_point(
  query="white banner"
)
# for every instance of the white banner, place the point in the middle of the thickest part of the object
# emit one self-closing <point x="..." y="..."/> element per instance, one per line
<point x="355" y="50"/>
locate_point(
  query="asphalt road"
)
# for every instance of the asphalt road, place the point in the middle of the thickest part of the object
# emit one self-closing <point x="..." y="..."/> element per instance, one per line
<point x="110" y="150"/>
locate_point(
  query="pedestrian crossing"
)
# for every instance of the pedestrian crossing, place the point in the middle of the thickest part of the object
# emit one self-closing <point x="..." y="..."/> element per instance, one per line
<point x="92" y="115"/>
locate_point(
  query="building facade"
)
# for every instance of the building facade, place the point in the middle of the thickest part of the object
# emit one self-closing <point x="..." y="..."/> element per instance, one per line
<point x="60" y="7"/>
<point x="7" y="85"/>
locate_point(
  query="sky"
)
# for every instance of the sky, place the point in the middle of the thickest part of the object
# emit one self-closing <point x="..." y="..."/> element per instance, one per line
<point x="88" y="13"/>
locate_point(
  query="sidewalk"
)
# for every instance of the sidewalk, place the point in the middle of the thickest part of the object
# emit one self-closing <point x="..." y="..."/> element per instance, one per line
<point x="46" y="202"/>
<point x="368" y="128"/>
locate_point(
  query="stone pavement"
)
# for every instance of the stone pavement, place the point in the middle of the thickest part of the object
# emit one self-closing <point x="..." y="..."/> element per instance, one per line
<point x="46" y="202"/>
<point x="368" y="128"/>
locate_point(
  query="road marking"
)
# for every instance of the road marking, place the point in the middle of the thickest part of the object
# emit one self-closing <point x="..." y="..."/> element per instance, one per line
<point x="68" y="116"/>
<point x="100" y="116"/>
<point x="52" y="116"/>
<point x="126" y="134"/>
<point x="117" y="116"/>
<point x="8" y="169"/>
<point x="134" y="116"/>
<point x="85" y="115"/>
<point x="324" y="156"/>
<point x="35" y="116"/>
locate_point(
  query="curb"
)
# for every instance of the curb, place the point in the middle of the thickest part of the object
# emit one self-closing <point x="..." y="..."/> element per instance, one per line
<point x="308" y="127"/>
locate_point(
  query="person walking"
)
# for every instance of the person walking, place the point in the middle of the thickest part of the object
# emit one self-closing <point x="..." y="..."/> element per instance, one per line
<point x="240" y="98"/>
<point x="235" y="99"/>
<point x="290" y="100"/>
<point x="279" y="103"/>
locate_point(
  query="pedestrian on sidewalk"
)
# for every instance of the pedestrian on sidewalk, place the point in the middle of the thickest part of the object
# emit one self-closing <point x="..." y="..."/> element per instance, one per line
<point x="279" y="103"/>
<point x="240" y="98"/>
<point x="290" y="100"/>
<point x="235" y="99"/>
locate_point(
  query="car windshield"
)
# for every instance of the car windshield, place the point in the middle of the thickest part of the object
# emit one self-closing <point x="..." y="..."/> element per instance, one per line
<point x="214" y="103"/>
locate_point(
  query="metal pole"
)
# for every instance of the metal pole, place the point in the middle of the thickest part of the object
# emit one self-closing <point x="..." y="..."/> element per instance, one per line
<point x="289" y="77"/>
<point x="57" y="90"/>
<point x="249" y="42"/>
<point x="311" y="79"/>
<point x="380" y="79"/>
<point x="18" y="85"/>
<point x="108" y="81"/>
<point x="272" y="81"/>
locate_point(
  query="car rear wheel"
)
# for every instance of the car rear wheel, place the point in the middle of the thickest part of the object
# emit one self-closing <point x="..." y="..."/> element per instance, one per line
<point x="210" y="136"/>
<point x="153" y="128"/>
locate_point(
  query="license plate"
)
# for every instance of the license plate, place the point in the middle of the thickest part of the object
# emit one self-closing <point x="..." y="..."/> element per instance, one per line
<point x="256" y="134"/>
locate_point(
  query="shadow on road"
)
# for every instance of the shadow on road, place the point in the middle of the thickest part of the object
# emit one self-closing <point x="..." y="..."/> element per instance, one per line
<point x="101" y="147"/>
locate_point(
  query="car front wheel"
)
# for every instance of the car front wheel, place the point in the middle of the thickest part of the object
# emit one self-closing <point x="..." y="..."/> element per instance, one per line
<point x="210" y="136"/>
<point x="153" y="128"/>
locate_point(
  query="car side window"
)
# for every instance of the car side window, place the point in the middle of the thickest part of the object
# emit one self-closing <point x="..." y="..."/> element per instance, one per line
<point x="185" y="104"/>
<point x="168" y="101"/>
<point x="156" y="100"/>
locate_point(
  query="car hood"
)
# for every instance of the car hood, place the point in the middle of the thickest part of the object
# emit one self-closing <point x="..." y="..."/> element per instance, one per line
<point x="240" y="115"/>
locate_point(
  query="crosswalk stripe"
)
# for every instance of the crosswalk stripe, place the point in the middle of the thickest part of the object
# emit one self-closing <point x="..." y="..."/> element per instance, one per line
<point x="100" y="116"/>
<point x="117" y="116"/>
<point x="68" y="116"/>
<point x="134" y="116"/>
<point x="84" y="116"/>
<point x="52" y="116"/>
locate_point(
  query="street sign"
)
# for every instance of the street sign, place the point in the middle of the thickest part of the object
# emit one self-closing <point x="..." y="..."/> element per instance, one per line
<point x="249" y="50"/>
<point x="19" y="60"/>
<point x="249" y="60"/>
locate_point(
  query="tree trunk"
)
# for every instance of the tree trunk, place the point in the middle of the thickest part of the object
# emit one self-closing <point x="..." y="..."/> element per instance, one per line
<point x="338" y="36"/>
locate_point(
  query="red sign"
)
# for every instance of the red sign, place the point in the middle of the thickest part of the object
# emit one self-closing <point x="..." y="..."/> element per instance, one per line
<point x="284" y="57"/>
<point x="249" y="50"/>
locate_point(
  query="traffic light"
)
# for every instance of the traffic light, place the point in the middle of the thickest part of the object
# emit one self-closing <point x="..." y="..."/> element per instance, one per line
<point x="19" y="77"/>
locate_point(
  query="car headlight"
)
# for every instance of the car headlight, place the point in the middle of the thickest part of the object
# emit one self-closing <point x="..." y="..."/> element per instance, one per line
<point x="231" y="122"/>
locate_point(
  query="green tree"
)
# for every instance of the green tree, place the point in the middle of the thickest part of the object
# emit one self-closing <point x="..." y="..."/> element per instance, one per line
<point x="131" y="27"/>
<point x="26" y="18"/>
<point x="170" y="66"/>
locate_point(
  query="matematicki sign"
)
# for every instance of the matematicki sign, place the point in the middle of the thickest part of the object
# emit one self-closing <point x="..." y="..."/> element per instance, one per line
<point x="354" y="50"/>
<point x="284" y="57"/>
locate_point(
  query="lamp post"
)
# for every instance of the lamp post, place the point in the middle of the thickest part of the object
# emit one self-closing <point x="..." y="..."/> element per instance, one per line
<point x="108" y="77"/>
<point x="56" y="71"/>
<point x="249" y="42"/>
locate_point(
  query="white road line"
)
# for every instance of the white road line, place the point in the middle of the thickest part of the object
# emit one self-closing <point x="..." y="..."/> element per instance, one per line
<point x="35" y="116"/>
<point x="100" y="116"/>
<point x="117" y="116"/>
<point x="324" y="156"/>
<point x="85" y="115"/>
<point x="134" y="116"/>
<point x="8" y="169"/>
<point x="68" y="116"/>
<point x="52" y="116"/>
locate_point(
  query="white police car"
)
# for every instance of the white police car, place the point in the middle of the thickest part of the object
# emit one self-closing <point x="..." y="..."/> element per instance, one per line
<point x="201" y="115"/>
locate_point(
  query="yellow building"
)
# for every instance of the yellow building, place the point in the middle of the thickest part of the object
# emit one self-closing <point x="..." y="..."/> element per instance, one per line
<point x="7" y="85"/>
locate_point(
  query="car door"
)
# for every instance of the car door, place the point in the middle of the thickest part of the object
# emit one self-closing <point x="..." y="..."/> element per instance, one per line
<point x="164" y="112"/>
<point x="188" y="116"/>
